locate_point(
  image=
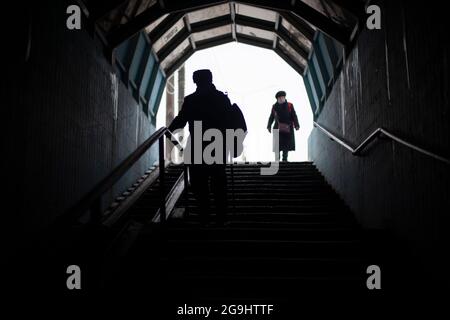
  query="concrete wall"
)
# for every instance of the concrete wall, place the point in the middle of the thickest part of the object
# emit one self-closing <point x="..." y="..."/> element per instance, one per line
<point x="396" y="78"/>
<point x="67" y="119"/>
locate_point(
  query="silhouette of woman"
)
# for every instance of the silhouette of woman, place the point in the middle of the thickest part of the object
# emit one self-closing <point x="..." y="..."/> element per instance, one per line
<point x="285" y="118"/>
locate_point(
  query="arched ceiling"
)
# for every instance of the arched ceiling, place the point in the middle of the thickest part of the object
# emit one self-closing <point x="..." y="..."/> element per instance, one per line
<point x="176" y="29"/>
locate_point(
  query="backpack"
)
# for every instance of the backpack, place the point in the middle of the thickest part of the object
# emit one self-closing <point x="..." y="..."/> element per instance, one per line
<point x="236" y="121"/>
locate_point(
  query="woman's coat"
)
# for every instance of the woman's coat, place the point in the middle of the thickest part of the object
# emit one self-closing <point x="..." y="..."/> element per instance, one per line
<point x="285" y="115"/>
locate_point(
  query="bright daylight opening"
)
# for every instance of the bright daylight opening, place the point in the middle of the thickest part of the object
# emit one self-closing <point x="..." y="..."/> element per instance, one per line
<point x="251" y="76"/>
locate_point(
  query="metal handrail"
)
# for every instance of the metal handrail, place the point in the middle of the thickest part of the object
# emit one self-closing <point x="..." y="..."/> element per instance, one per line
<point x="92" y="200"/>
<point x="172" y="197"/>
<point x="375" y="134"/>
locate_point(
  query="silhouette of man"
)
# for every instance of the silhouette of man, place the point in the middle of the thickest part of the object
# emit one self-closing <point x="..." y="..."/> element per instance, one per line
<point x="211" y="107"/>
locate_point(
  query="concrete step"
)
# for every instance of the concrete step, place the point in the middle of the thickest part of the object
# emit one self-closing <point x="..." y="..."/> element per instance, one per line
<point x="276" y="217"/>
<point x="256" y="233"/>
<point x="270" y="201"/>
<point x="266" y="207"/>
<point x="261" y="248"/>
<point x="191" y="222"/>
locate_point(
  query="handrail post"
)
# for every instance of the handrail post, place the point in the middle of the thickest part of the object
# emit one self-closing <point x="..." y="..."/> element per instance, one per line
<point x="232" y="187"/>
<point x="162" y="217"/>
<point x="186" y="185"/>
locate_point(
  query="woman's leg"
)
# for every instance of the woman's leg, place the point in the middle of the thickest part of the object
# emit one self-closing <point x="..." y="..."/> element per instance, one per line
<point x="285" y="155"/>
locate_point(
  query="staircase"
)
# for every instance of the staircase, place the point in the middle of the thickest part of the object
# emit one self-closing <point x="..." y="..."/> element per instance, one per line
<point x="289" y="237"/>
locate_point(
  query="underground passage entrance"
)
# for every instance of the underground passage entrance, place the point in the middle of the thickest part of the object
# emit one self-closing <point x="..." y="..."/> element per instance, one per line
<point x="236" y="70"/>
<point x="148" y="42"/>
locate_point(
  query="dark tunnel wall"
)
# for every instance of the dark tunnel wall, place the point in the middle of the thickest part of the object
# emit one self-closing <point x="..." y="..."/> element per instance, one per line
<point x="391" y="186"/>
<point x="67" y="118"/>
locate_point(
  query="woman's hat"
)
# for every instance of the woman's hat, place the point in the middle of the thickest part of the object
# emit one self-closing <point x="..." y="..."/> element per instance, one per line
<point x="280" y="94"/>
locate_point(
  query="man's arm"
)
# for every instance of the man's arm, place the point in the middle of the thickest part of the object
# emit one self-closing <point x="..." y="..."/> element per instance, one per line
<point x="271" y="119"/>
<point x="181" y="119"/>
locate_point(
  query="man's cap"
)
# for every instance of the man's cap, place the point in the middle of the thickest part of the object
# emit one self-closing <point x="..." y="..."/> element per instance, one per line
<point x="280" y="94"/>
<point x="202" y="76"/>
